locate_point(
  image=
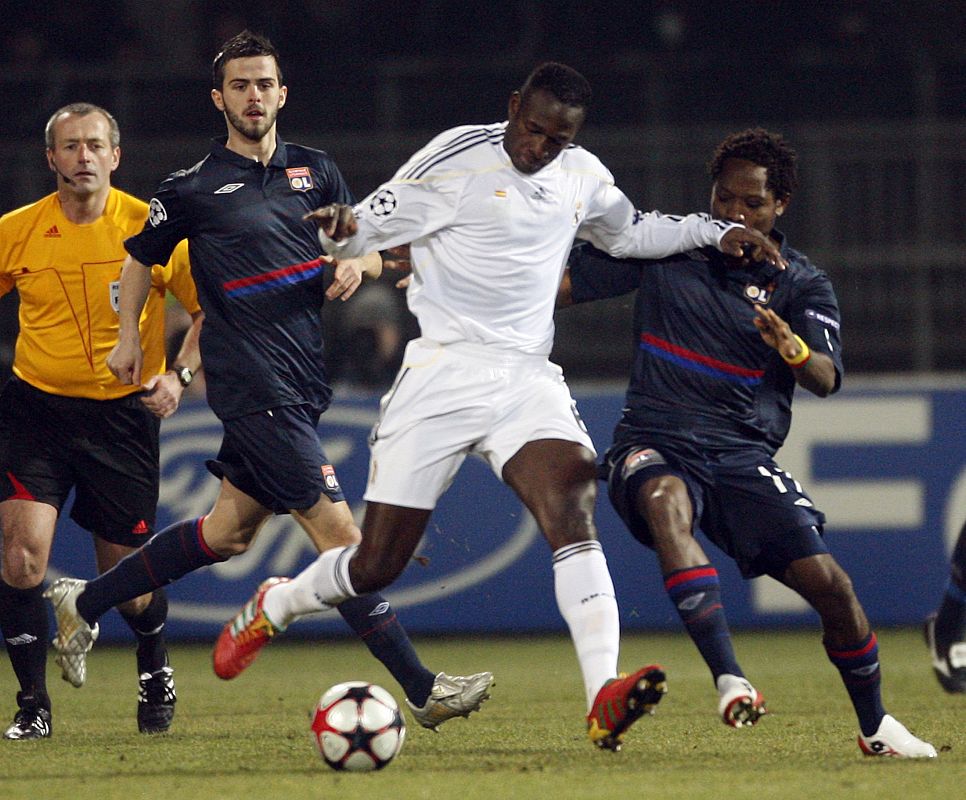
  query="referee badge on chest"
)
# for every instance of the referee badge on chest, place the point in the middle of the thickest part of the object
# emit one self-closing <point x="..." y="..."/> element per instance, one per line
<point x="299" y="178"/>
<point x="114" y="287"/>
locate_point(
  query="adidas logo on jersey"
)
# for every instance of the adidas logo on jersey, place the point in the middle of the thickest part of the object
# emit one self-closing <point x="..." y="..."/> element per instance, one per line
<point x="140" y="528"/>
<point x="52" y="233"/>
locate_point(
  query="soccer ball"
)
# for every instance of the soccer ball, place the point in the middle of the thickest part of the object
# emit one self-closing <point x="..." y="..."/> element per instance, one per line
<point x="358" y="727"/>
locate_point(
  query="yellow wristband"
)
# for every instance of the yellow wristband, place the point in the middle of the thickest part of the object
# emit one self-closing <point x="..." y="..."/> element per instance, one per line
<point x="803" y="355"/>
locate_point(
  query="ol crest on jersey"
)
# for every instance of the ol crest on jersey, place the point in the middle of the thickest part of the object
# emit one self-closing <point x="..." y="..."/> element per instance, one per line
<point x="299" y="178"/>
<point x="759" y="295"/>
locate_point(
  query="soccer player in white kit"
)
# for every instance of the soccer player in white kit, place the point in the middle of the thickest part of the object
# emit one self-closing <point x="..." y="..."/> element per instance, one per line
<point x="490" y="212"/>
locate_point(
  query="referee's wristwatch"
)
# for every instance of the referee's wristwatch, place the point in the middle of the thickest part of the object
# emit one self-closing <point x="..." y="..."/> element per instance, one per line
<point x="185" y="375"/>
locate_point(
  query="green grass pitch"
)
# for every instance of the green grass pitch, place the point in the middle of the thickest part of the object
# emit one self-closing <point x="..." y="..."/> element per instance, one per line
<point x="248" y="738"/>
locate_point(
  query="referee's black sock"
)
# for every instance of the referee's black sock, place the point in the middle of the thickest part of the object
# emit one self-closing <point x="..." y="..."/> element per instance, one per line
<point x="26" y="630"/>
<point x="375" y="622"/>
<point x="168" y="555"/>
<point x="148" y="627"/>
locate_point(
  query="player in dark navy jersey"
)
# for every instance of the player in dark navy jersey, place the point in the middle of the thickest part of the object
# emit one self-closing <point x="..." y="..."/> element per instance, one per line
<point x="721" y="345"/>
<point x="261" y="282"/>
<point x="260" y="274"/>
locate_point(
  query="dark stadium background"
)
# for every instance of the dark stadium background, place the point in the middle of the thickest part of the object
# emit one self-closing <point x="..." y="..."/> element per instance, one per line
<point x="873" y="94"/>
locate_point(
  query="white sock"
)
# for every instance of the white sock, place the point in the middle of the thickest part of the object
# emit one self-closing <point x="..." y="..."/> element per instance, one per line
<point x="321" y="585"/>
<point x="585" y="597"/>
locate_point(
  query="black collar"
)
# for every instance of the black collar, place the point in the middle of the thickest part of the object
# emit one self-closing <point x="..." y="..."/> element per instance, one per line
<point x="220" y="151"/>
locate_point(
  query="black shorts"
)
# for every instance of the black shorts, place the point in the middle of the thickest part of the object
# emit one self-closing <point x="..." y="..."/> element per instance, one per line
<point x="743" y="501"/>
<point x="276" y="458"/>
<point x="105" y="450"/>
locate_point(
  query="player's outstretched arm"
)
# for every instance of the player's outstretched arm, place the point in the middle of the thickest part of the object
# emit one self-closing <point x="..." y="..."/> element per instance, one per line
<point x="349" y="273"/>
<point x="813" y="371"/>
<point x="125" y="359"/>
<point x="335" y="221"/>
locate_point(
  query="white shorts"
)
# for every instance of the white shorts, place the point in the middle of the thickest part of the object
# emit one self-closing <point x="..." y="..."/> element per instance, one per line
<point x="451" y="400"/>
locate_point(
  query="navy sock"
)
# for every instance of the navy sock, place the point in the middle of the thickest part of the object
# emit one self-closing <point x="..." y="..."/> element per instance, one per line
<point x="696" y="594"/>
<point x="859" y="667"/>
<point x="373" y="619"/>
<point x="25" y="624"/>
<point x="148" y="627"/>
<point x="168" y="555"/>
<point x="951" y="619"/>
<point x="959" y="560"/>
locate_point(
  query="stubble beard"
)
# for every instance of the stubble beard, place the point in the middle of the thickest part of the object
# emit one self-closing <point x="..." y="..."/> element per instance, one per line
<point x="252" y="131"/>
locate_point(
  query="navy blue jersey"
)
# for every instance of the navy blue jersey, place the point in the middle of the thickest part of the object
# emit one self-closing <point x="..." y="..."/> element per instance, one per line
<point x="257" y="268"/>
<point x="702" y="370"/>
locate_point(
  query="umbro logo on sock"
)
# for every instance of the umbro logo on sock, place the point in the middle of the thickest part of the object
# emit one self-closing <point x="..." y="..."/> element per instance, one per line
<point x="52" y="233"/>
<point x="692" y="602"/>
<point x="23" y="638"/>
<point x="382" y="608"/>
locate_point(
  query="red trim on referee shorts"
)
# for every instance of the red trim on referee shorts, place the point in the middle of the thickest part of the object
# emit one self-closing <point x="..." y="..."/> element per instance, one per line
<point x="21" y="492"/>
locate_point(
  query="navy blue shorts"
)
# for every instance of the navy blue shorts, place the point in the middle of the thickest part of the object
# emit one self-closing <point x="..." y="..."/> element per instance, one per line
<point x="743" y="501"/>
<point x="275" y="457"/>
<point x="105" y="450"/>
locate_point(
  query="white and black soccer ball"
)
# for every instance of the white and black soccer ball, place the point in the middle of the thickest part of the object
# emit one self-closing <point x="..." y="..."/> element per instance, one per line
<point x="357" y="727"/>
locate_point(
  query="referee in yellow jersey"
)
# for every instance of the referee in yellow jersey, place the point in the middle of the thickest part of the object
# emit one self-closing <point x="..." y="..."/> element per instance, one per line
<point x="66" y="422"/>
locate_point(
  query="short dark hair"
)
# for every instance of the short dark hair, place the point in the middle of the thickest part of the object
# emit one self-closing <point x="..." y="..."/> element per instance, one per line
<point x="81" y="110"/>
<point x="766" y="149"/>
<point x="563" y="82"/>
<point x="242" y="45"/>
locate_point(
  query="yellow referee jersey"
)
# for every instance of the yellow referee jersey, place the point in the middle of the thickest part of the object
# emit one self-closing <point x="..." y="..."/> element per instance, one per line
<point x="68" y="276"/>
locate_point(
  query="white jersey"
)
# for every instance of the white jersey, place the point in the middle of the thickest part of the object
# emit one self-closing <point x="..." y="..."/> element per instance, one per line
<point x="489" y="243"/>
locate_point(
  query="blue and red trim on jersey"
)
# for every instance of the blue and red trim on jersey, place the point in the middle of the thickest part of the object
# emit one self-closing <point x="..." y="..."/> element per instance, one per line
<point x="696" y="362"/>
<point x="283" y="276"/>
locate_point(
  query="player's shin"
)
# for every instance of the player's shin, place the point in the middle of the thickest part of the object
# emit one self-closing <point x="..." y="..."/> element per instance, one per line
<point x="26" y="631"/>
<point x="322" y="584"/>
<point x="148" y="628"/>
<point x="859" y="668"/>
<point x="167" y="556"/>
<point x="585" y="597"/>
